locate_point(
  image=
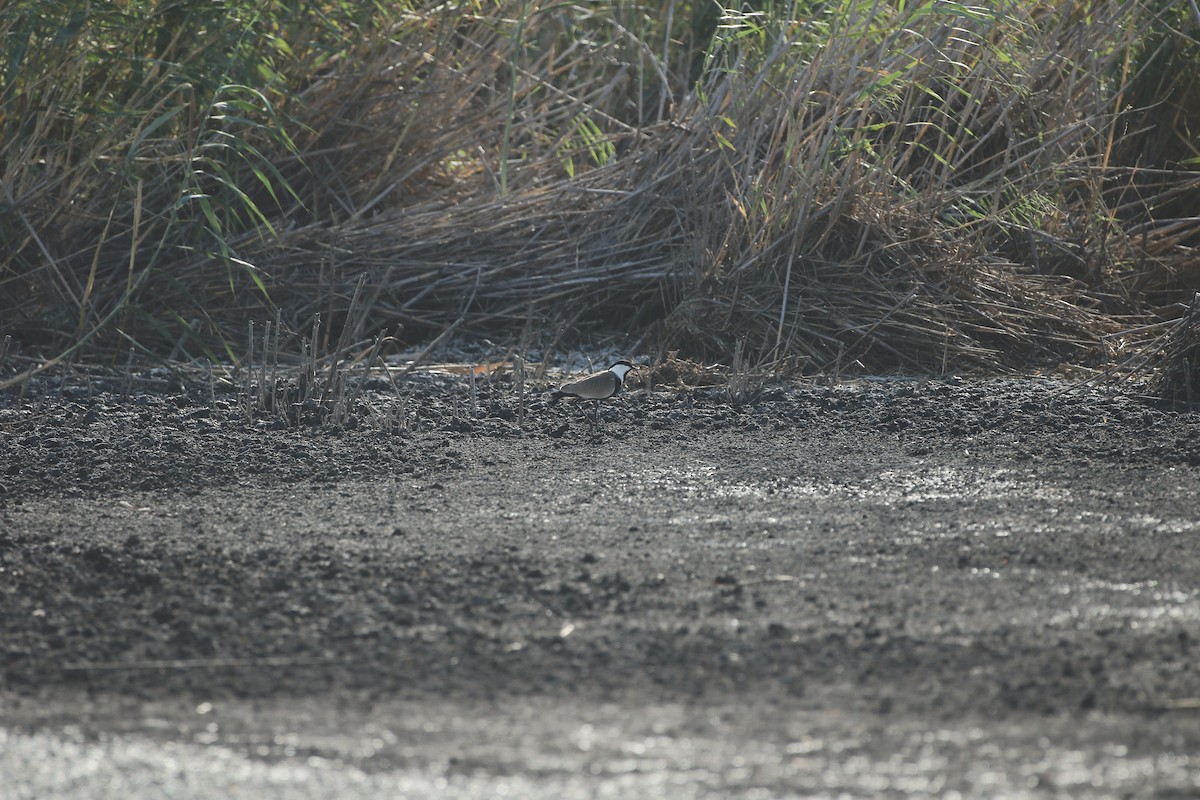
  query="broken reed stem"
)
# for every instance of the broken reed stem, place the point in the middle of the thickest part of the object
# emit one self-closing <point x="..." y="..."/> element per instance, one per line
<point x="474" y="400"/>
<point x="519" y="380"/>
<point x="351" y="324"/>
<point x="264" y="390"/>
<point x="737" y="377"/>
<point x="212" y="388"/>
<point x="359" y="386"/>
<point x="128" y="374"/>
<point x="310" y="363"/>
<point x="248" y="371"/>
<point x="278" y="393"/>
<point x="332" y="380"/>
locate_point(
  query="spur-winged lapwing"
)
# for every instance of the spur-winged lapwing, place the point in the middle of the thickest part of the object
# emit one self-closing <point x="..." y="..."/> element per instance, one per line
<point x="597" y="386"/>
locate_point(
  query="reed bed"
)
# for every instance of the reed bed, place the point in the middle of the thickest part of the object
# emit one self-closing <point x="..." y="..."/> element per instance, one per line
<point x="815" y="187"/>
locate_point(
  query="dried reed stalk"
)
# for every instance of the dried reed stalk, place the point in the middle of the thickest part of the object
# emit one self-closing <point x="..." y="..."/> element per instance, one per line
<point x="931" y="188"/>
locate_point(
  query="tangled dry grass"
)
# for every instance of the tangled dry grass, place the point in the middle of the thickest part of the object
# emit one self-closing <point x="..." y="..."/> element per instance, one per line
<point x="816" y="187"/>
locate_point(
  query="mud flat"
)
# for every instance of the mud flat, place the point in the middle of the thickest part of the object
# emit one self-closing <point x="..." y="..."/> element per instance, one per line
<point x="885" y="588"/>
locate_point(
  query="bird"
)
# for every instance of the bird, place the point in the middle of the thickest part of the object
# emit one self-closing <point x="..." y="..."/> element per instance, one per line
<point x="597" y="386"/>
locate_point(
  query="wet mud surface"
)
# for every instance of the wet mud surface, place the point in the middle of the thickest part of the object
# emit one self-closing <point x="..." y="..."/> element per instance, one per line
<point x="877" y="588"/>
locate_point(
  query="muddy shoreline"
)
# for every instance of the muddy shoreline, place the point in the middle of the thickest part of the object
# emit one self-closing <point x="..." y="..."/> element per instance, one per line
<point x="908" y="553"/>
